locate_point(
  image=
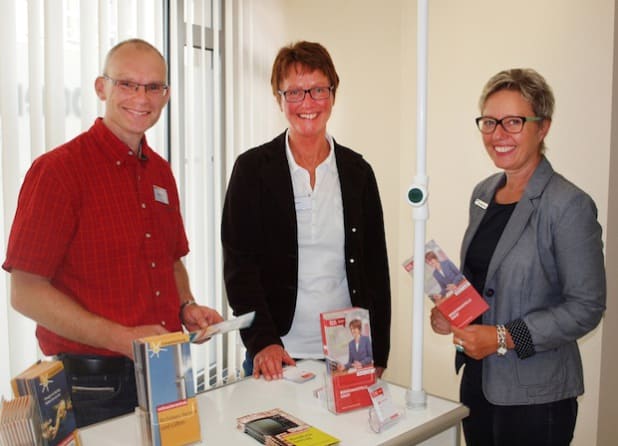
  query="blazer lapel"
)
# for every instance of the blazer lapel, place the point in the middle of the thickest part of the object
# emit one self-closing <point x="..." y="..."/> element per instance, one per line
<point x="521" y="215"/>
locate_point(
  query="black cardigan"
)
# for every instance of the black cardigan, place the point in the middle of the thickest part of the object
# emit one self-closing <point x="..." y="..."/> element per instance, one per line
<point x="260" y="248"/>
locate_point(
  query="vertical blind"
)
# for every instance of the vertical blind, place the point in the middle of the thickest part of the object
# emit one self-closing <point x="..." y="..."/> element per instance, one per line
<point x="196" y="128"/>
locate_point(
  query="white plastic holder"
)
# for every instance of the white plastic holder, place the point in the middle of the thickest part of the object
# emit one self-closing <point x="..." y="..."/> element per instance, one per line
<point x="384" y="413"/>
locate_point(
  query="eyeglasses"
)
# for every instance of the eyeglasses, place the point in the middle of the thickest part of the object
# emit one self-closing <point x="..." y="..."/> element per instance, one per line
<point x="298" y="95"/>
<point x="510" y="124"/>
<point x="154" y="89"/>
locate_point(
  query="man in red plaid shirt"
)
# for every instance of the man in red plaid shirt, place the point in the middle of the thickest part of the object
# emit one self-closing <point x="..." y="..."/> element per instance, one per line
<point x="96" y="245"/>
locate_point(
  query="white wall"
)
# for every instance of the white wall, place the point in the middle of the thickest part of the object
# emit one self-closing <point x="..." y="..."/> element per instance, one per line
<point x="373" y="45"/>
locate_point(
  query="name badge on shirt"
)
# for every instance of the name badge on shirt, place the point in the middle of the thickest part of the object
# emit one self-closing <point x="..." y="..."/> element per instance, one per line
<point x="160" y="195"/>
<point x="302" y="203"/>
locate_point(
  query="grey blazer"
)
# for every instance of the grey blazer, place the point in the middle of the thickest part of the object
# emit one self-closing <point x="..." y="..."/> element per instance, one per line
<point x="548" y="270"/>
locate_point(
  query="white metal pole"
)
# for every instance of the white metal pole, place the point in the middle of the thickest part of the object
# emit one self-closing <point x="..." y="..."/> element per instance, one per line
<point x="417" y="197"/>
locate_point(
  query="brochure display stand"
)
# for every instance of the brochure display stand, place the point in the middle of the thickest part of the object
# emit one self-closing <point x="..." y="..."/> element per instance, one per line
<point x="346" y="340"/>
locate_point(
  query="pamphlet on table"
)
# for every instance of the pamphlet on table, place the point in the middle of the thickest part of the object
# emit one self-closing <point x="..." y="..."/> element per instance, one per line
<point x="276" y="427"/>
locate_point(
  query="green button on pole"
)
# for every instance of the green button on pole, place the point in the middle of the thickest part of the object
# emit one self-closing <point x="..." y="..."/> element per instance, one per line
<point x="415" y="195"/>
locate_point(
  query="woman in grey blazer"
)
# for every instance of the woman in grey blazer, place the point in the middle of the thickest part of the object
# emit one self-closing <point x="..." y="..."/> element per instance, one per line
<point x="533" y="250"/>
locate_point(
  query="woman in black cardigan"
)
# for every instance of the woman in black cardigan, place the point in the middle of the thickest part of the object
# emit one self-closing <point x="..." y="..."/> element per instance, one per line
<point x="302" y="227"/>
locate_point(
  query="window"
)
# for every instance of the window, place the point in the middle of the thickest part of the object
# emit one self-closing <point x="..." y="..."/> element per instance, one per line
<point x="197" y="109"/>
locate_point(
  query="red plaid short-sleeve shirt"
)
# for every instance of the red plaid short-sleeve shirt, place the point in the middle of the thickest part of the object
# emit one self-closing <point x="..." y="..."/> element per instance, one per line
<point x="105" y="227"/>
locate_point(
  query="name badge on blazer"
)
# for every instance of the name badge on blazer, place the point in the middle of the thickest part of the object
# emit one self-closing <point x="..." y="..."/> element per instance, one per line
<point x="480" y="203"/>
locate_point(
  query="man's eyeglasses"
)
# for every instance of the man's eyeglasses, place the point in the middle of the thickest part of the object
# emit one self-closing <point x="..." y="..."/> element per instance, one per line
<point x="297" y="95"/>
<point x="510" y="124"/>
<point x="154" y="89"/>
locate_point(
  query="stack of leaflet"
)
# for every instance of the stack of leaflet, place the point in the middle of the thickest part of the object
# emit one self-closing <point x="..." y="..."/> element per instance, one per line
<point x="19" y="422"/>
<point x="53" y="422"/>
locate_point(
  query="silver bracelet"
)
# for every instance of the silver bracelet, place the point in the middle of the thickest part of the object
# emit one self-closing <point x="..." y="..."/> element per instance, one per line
<point x="501" y="330"/>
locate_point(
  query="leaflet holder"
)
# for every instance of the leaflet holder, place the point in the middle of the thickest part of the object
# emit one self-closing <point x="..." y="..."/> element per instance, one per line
<point x="383" y="414"/>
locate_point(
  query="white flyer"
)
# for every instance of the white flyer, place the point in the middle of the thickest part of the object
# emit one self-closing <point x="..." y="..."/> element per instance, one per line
<point x="242" y="321"/>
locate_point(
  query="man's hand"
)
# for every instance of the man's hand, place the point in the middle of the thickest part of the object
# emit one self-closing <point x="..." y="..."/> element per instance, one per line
<point x="196" y="317"/>
<point x="193" y="316"/>
<point x="269" y="362"/>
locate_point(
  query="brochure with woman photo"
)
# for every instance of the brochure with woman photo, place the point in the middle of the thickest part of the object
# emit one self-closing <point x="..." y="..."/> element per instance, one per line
<point x="447" y="287"/>
<point x="346" y="341"/>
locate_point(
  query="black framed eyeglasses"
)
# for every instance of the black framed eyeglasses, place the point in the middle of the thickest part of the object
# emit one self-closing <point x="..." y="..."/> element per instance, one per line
<point x="298" y="94"/>
<point x="510" y="124"/>
<point x="154" y="89"/>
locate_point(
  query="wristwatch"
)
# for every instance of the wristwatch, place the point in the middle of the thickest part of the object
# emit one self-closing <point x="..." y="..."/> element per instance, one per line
<point x="501" y="330"/>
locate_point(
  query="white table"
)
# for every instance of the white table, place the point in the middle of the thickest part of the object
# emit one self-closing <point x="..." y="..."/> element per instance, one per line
<point x="437" y="424"/>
